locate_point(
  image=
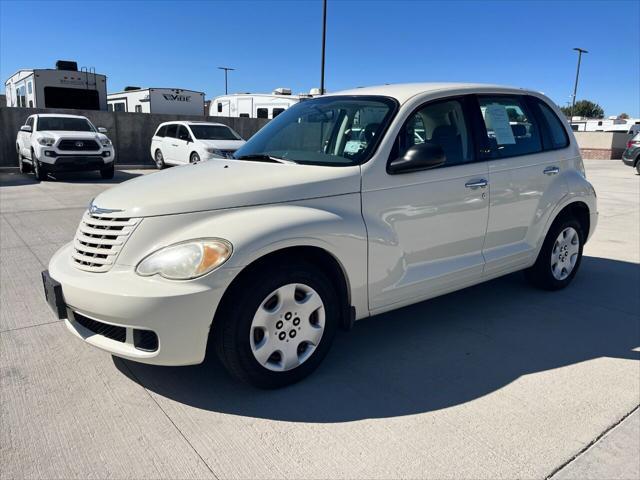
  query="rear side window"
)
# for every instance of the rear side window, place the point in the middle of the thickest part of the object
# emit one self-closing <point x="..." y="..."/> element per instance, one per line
<point x="172" y="131"/>
<point x="510" y="126"/>
<point x="558" y="135"/>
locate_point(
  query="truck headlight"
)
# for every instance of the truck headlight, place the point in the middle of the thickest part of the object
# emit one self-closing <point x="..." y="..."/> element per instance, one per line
<point x="46" y="141"/>
<point x="186" y="260"/>
<point x="105" y="142"/>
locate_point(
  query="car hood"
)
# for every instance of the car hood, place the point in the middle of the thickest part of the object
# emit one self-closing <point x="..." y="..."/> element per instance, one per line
<point x="223" y="144"/>
<point x="219" y="184"/>
<point x="58" y="134"/>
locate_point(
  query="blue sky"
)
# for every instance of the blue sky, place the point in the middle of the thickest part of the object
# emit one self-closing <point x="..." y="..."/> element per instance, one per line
<point x="277" y="44"/>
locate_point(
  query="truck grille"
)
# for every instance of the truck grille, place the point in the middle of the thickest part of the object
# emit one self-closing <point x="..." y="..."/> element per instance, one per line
<point x="99" y="240"/>
<point x="79" y="145"/>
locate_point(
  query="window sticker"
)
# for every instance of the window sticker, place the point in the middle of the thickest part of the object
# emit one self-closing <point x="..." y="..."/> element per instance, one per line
<point x="354" y="146"/>
<point x="497" y="120"/>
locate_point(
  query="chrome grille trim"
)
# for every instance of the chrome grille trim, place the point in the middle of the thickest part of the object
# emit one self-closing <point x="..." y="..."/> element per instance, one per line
<point x="99" y="239"/>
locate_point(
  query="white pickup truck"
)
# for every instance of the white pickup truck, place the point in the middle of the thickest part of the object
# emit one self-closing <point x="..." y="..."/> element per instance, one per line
<point x="49" y="143"/>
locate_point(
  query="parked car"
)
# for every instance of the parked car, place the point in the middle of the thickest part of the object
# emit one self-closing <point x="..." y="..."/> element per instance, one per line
<point x="631" y="155"/>
<point x="49" y="143"/>
<point x="178" y="143"/>
<point x="312" y="226"/>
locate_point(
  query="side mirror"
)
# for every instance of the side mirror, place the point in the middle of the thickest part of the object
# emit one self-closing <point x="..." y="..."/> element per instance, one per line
<point x="102" y="130"/>
<point x="422" y="156"/>
<point x="26" y="128"/>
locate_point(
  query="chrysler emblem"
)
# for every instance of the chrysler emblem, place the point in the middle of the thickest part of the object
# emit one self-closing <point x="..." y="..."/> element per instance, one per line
<point x="95" y="210"/>
<point x="79" y="144"/>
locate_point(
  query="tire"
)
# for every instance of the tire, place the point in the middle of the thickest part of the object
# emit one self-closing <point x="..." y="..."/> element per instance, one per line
<point x="250" y="319"/>
<point x="159" y="159"/>
<point x="39" y="171"/>
<point x="108" y="172"/>
<point x="194" y="158"/>
<point x="23" y="167"/>
<point x="638" y="165"/>
<point x="560" y="256"/>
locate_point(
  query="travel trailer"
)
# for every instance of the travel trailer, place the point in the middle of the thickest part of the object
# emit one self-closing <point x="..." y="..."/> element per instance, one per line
<point x="62" y="87"/>
<point x="256" y="105"/>
<point x="175" y="101"/>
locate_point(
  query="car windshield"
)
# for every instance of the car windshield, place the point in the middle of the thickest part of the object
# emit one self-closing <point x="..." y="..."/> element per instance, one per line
<point x="65" y="123"/>
<point x="214" y="132"/>
<point x="329" y="131"/>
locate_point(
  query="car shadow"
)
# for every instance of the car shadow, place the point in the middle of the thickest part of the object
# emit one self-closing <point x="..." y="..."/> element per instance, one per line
<point x="17" y="179"/>
<point x="435" y="354"/>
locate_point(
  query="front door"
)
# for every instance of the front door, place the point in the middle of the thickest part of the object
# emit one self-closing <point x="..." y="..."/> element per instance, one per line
<point x="426" y="228"/>
<point x="170" y="144"/>
<point x="184" y="143"/>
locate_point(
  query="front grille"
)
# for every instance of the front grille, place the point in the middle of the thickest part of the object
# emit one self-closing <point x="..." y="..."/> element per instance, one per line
<point x="119" y="334"/>
<point x="79" y="145"/>
<point x="99" y="240"/>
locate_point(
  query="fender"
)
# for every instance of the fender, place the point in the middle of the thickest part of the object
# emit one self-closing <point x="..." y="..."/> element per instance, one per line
<point x="333" y="224"/>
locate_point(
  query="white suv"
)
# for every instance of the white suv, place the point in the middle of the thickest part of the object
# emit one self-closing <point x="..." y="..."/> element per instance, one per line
<point x="343" y="207"/>
<point x="49" y="143"/>
<point x="177" y="143"/>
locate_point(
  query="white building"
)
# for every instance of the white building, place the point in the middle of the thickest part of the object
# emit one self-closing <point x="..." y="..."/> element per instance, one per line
<point x="256" y="105"/>
<point x="175" y="101"/>
<point x="62" y="87"/>
<point x="610" y="124"/>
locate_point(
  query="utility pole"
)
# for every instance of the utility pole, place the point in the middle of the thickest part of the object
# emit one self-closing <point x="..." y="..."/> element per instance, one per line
<point x="324" y="36"/>
<point x="575" y="86"/>
<point x="226" y="69"/>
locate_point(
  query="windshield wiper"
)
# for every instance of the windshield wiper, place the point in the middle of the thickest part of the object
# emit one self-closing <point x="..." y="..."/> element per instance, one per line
<point x="262" y="157"/>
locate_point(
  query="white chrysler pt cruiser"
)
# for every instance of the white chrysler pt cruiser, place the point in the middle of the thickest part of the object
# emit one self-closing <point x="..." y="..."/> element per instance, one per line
<point x="344" y="206"/>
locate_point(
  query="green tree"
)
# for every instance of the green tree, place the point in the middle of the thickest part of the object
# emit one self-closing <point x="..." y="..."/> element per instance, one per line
<point x="584" y="108"/>
<point x="623" y="115"/>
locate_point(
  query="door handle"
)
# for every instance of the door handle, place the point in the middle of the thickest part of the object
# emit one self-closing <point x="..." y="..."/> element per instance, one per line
<point x="174" y="144"/>
<point x="551" y="171"/>
<point x="473" y="184"/>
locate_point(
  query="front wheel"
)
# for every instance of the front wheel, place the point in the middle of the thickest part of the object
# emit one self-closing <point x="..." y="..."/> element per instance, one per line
<point x="276" y="325"/>
<point x="39" y="170"/>
<point x="560" y="256"/>
<point x="159" y="159"/>
<point x="194" y="158"/>
<point x="23" y="167"/>
<point x="108" y="172"/>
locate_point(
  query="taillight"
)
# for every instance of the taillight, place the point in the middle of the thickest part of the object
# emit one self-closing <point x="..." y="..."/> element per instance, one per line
<point x="629" y="143"/>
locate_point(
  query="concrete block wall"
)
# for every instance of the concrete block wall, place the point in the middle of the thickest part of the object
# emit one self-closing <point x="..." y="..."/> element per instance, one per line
<point x="602" y="145"/>
<point x="130" y="132"/>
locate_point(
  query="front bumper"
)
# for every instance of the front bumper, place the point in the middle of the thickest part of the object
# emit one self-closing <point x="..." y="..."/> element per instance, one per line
<point x="179" y="313"/>
<point x="77" y="163"/>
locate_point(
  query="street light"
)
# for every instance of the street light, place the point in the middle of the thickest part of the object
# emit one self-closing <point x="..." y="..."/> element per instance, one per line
<point x="226" y="69"/>
<point x="324" y="35"/>
<point x="575" y="86"/>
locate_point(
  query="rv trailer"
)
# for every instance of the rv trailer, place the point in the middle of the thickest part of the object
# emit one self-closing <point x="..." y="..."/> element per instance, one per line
<point x="175" y="101"/>
<point x="62" y="87"/>
<point x="256" y="105"/>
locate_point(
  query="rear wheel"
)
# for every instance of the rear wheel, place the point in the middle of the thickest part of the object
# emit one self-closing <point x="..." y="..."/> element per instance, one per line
<point x="638" y="165"/>
<point x="194" y="158"/>
<point x="108" y="172"/>
<point x="276" y="325"/>
<point x="560" y="256"/>
<point x="159" y="159"/>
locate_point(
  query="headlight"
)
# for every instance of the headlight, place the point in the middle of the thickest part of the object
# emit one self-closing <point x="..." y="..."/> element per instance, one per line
<point x="105" y="142"/>
<point x="46" y="141"/>
<point x="186" y="260"/>
<point x="215" y="151"/>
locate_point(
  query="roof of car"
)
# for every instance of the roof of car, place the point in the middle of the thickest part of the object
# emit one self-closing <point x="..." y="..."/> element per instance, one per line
<point x="404" y="91"/>
<point x="193" y="122"/>
<point x="59" y="115"/>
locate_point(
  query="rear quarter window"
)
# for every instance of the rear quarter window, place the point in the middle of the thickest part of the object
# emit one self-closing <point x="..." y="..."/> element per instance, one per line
<point x="557" y="135"/>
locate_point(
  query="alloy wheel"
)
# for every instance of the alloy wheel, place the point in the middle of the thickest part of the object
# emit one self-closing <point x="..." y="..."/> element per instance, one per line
<point x="564" y="254"/>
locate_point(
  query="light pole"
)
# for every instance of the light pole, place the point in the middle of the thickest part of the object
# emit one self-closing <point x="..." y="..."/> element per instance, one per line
<point x="324" y="35"/>
<point x="575" y="86"/>
<point x="226" y="69"/>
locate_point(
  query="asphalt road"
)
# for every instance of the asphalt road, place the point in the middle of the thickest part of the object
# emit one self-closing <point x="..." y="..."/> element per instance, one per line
<point x="495" y="381"/>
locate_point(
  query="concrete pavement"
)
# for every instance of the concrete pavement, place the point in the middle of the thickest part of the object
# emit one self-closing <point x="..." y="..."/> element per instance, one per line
<point x="496" y="381"/>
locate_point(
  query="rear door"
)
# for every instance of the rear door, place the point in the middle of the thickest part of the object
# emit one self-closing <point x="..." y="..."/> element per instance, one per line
<point x="524" y="178"/>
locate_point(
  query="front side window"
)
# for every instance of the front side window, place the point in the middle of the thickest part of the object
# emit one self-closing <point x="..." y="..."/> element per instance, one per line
<point x="213" y="132"/>
<point x="162" y="131"/>
<point x="263" y="113"/>
<point x="329" y="131"/>
<point x="183" y="133"/>
<point x="441" y="123"/>
<point x="29" y="122"/>
<point x="510" y="127"/>
<point x="70" y="124"/>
